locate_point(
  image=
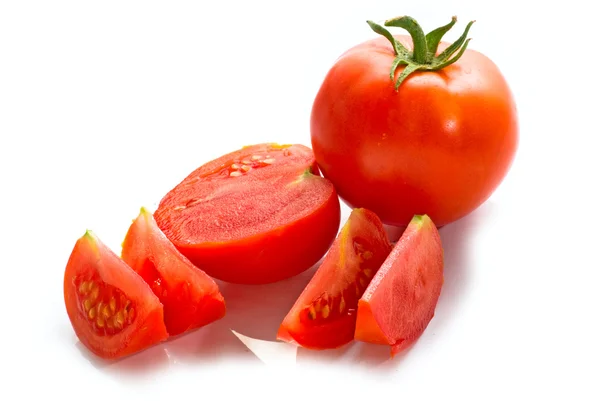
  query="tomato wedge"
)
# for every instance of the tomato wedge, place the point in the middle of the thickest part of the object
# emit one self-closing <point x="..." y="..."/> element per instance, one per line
<point x="254" y="216"/>
<point x="324" y="315"/>
<point x="191" y="299"/>
<point x="400" y="301"/>
<point x="113" y="311"/>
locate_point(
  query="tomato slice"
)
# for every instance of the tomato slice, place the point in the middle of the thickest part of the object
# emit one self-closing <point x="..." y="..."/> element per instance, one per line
<point x="400" y="301"/>
<point x="324" y="315"/>
<point x="254" y="216"/>
<point x="191" y="299"/>
<point x="113" y="311"/>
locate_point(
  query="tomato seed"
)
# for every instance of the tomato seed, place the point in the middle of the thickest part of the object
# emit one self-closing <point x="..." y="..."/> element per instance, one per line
<point x="100" y="302"/>
<point x="131" y="315"/>
<point x="84" y="288"/>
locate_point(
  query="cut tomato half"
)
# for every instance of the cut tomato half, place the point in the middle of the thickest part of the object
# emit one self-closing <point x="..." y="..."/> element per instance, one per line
<point x="401" y="299"/>
<point x="191" y="299"/>
<point x="324" y="315"/>
<point x="254" y="216"/>
<point x="113" y="311"/>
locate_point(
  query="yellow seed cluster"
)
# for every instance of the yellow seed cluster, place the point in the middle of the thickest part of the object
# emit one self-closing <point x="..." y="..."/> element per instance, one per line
<point x="110" y="314"/>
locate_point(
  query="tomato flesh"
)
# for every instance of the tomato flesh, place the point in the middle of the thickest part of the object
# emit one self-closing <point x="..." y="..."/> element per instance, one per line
<point x="112" y="310"/>
<point x="324" y="315"/>
<point x="401" y="299"/>
<point x="191" y="299"/>
<point x="254" y="216"/>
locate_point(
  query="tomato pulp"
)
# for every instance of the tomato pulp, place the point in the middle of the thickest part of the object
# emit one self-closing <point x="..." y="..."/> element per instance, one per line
<point x="113" y="311"/>
<point x="324" y="315"/>
<point x="400" y="301"/>
<point x="254" y="216"/>
<point x="191" y="299"/>
<point x="439" y="144"/>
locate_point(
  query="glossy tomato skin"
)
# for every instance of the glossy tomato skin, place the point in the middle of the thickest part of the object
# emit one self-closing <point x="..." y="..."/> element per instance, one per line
<point x="440" y="145"/>
<point x="191" y="298"/>
<point x="142" y="326"/>
<point x="257" y="215"/>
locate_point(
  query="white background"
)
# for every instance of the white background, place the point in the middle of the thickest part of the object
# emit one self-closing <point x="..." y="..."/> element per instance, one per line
<point x="104" y="106"/>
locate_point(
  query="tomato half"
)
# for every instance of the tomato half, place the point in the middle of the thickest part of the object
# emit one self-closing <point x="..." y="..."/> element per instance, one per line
<point x="401" y="299"/>
<point x="439" y="144"/>
<point x="324" y="315"/>
<point x="254" y="216"/>
<point x="113" y="311"/>
<point x="191" y="299"/>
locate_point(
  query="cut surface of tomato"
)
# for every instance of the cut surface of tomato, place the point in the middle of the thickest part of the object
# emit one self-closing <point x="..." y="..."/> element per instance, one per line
<point x="254" y="216"/>
<point x="401" y="299"/>
<point x="324" y="315"/>
<point x="191" y="299"/>
<point x="114" y="313"/>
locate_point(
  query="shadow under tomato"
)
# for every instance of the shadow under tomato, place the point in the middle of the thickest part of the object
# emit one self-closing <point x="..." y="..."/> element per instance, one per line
<point x="257" y="311"/>
<point x="458" y="265"/>
<point x="210" y="343"/>
<point x="148" y="361"/>
<point x="394" y="232"/>
<point x="355" y="353"/>
<point x="201" y="346"/>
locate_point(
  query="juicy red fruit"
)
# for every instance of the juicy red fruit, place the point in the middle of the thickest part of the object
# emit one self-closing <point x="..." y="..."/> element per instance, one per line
<point x="324" y="315"/>
<point x="191" y="299"/>
<point x="111" y="309"/>
<point x="257" y="215"/>
<point x="401" y="299"/>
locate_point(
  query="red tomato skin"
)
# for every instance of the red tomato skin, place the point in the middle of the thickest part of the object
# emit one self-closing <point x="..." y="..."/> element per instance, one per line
<point x="440" y="145"/>
<point x="191" y="298"/>
<point x="92" y="257"/>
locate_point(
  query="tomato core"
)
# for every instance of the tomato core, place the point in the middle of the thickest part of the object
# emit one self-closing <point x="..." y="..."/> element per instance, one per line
<point x="107" y="310"/>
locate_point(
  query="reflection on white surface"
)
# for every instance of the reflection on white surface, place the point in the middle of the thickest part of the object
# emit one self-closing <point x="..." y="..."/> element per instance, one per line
<point x="272" y="353"/>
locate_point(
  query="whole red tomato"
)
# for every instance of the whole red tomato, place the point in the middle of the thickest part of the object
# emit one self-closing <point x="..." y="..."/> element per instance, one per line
<point x="406" y="125"/>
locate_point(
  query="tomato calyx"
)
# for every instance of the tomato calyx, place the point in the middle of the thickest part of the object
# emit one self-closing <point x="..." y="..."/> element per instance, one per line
<point x="423" y="57"/>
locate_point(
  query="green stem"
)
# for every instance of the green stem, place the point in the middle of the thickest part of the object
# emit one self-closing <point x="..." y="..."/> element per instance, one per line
<point x="410" y="68"/>
<point x="434" y="37"/>
<point x="453" y="59"/>
<point x="416" y="33"/>
<point x="423" y="56"/>
<point x="456" y="45"/>
<point x="399" y="48"/>
<point x="398" y="61"/>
